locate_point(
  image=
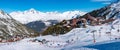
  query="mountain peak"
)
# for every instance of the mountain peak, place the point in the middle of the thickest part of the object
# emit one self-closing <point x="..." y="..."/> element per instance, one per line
<point x="4" y="15"/>
<point x="34" y="15"/>
<point x="118" y="0"/>
<point x="2" y="12"/>
<point x="32" y="10"/>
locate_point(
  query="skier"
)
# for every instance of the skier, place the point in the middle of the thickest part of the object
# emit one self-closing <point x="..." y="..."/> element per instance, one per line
<point x="68" y="41"/>
<point x="118" y="30"/>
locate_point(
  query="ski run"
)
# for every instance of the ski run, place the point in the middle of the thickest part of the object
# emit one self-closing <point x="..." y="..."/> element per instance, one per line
<point x="76" y="39"/>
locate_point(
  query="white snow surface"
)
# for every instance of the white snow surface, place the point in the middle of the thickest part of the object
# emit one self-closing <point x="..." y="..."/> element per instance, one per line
<point x="34" y="15"/>
<point x="78" y="37"/>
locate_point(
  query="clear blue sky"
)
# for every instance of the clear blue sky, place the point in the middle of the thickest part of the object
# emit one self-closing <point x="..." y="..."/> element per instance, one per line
<point x="52" y="5"/>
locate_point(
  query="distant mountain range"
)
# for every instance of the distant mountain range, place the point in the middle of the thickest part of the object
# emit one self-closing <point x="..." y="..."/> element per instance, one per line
<point x="40" y="20"/>
<point x="35" y="15"/>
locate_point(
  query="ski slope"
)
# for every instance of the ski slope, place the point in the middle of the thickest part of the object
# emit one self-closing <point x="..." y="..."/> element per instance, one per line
<point x="75" y="39"/>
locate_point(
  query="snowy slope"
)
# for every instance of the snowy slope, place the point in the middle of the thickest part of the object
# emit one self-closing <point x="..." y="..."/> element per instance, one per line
<point x="79" y="38"/>
<point x="34" y="15"/>
<point x="109" y="11"/>
<point x="114" y="10"/>
<point x="10" y="27"/>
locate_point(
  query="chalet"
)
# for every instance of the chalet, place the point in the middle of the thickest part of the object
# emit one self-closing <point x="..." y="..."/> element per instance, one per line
<point x="108" y="20"/>
<point x="92" y="19"/>
<point x="81" y="22"/>
<point x="98" y="20"/>
<point x="0" y="39"/>
<point x="74" y="21"/>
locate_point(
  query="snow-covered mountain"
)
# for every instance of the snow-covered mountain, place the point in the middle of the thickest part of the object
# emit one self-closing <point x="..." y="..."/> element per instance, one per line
<point x="110" y="11"/>
<point x="100" y="37"/>
<point x="34" y="15"/>
<point x="38" y="21"/>
<point x="10" y="27"/>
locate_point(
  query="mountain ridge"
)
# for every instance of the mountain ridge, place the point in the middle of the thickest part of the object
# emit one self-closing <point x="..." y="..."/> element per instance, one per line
<point x="110" y="11"/>
<point x="35" y="15"/>
<point x="9" y="28"/>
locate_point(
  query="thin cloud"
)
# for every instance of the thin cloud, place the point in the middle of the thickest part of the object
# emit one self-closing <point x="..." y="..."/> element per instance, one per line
<point x="101" y="0"/>
<point x="106" y="3"/>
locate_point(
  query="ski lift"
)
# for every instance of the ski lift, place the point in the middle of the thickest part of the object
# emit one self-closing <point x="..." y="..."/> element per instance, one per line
<point x="94" y="40"/>
<point x="93" y="31"/>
